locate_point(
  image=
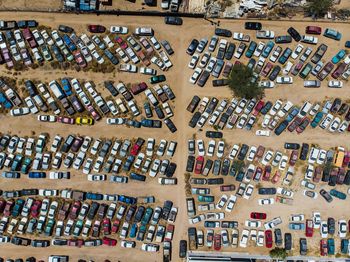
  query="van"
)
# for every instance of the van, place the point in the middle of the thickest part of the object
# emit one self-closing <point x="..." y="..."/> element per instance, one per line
<point x="305" y="109"/>
<point x="56" y="89"/>
<point x="144" y="31"/>
<point x="287" y="68"/>
<point x="313" y="155"/>
<point x="191" y="210"/>
<point x="339" y="157"/>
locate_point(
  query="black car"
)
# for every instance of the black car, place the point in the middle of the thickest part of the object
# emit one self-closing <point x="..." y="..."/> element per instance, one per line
<point x="287" y="241"/>
<point x="230" y="50"/>
<point x="331" y="225"/>
<point x="167" y="47"/>
<point x="194" y="119"/>
<point x="213" y="134"/>
<point x="275" y="71"/>
<point x="278" y="237"/>
<point x="225" y="167"/>
<point x="267" y="191"/>
<point x="326" y="195"/>
<point x="283" y="39"/>
<point x="29" y="192"/>
<point x="172" y="20"/>
<point x="170" y="170"/>
<point x="65" y="29"/>
<point x="347" y="178"/>
<point x="223" y="32"/>
<point x="139" y="214"/>
<point x="30" y="88"/>
<point x="215" y="181"/>
<point x="170" y="124"/>
<point x="159" y="112"/>
<point x="190" y="163"/>
<point x="336" y="105"/>
<point x="203" y="78"/>
<point x="166" y="209"/>
<point x="192" y="47"/>
<point x="242" y="152"/>
<point x="304" y="151"/>
<point x="93" y="210"/>
<point x="294" y="33"/>
<point x="291" y="145"/>
<point x="266" y="108"/>
<point x="220" y="82"/>
<point x="183" y="249"/>
<point x="303" y="246"/>
<point x="253" y="26"/>
<point x="325" y="175"/>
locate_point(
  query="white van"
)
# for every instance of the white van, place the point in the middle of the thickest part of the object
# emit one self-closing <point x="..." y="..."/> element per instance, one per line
<point x="144" y="31"/>
<point x="305" y="109"/>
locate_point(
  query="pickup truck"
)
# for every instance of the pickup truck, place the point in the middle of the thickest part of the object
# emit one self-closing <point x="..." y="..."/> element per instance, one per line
<point x="192" y="238"/>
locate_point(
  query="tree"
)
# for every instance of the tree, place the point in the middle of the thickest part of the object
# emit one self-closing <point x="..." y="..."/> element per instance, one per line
<point x="242" y="84"/>
<point x="319" y="8"/>
<point x="238" y="165"/>
<point x="280" y="253"/>
<point x="328" y="166"/>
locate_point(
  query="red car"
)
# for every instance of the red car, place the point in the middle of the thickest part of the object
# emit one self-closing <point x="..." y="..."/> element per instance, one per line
<point x="199" y="165"/>
<point x="317" y="174"/>
<point x="66" y="120"/>
<point x="296" y="122"/>
<point x="96" y="116"/>
<point x="267" y="173"/>
<point x="121" y="42"/>
<point x="313" y="30"/>
<point x="96" y="28"/>
<point x="106" y="224"/>
<point x="227" y="188"/>
<point x="309" y="229"/>
<point x="339" y="70"/>
<point x="323" y="247"/>
<point x="293" y="157"/>
<point x="276" y="177"/>
<point x="73" y="214"/>
<point x="35" y="208"/>
<point x="79" y="59"/>
<point x="325" y="71"/>
<point x="8" y="207"/>
<point x="169" y="232"/>
<point x="109" y="241"/>
<point x="268" y="239"/>
<point x="346" y="159"/>
<point x="258" y="173"/>
<point x="115" y="226"/>
<point x="2" y="205"/>
<point x="257" y="215"/>
<point x="75" y="242"/>
<point x="217" y="242"/>
<point x="258" y="107"/>
<point x="304" y="123"/>
<point x="267" y="69"/>
<point x="138" y="88"/>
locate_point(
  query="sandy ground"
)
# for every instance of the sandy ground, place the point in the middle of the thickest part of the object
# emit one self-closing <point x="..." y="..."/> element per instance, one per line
<point x="32" y="5"/>
<point x="178" y="80"/>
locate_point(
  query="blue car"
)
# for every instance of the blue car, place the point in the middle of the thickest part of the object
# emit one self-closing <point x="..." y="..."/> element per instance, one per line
<point x="127" y="199"/>
<point x="133" y="231"/>
<point x="251" y="49"/>
<point x="94" y="196"/>
<point x="4" y="101"/>
<point x="333" y="34"/>
<point x="339" y="56"/>
<point x="128" y="163"/>
<point x="69" y="43"/>
<point x="292" y="114"/>
<point x="347" y="44"/>
<point x="66" y="86"/>
<point x="268" y="48"/>
<point x="285" y="55"/>
<point x="296" y="226"/>
<point x="37" y="175"/>
<point x="318" y="117"/>
<point x="138" y="177"/>
<point x="344" y="246"/>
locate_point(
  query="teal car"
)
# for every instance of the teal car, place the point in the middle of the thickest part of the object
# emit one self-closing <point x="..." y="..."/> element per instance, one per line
<point x="26" y="165"/>
<point x="141" y="233"/>
<point x="333" y="34"/>
<point x="251" y="48"/>
<point x="306" y="71"/>
<point x="49" y="227"/>
<point x="17" y="209"/>
<point x="16" y="162"/>
<point x="157" y="79"/>
<point x="78" y="228"/>
<point x="338" y="194"/>
<point x="205" y="198"/>
<point x="147" y="217"/>
<point x="330" y="244"/>
<point x="133" y="231"/>
<point x="339" y="56"/>
<point x="344" y="245"/>
<point x="268" y="48"/>
<point x="317" y="119"/>
<point x="296" y="226"/>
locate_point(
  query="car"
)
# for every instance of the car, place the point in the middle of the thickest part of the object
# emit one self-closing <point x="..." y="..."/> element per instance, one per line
<point x="326" y="195"/>
<point x="294" y="33"/>
<point x="96" y="28"/>
<point x="119" y="29"/>
<point x="335" y="84"/>
<point x="333" y="34"/>
<point x="223" y="32"/>
<point x="173" y="20"/>
<point x="253" y="26"/>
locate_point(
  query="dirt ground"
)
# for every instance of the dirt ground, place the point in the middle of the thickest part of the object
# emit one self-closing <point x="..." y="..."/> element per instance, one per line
<point x="178" y="76"/>
<point x="32" y="5"/>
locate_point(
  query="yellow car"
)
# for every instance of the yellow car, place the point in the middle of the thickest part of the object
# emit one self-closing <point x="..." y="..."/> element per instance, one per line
<point x="84" y="121"/>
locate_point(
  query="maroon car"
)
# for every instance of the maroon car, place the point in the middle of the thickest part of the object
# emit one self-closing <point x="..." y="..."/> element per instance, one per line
<point x="78" y="141"/>
<point x="96" y="116"/>
<point x="96" y="28"/>
<point x="66" y="120"/>
<point x="257" y="215"/>
<point x="293" y="157"/>
<point x="27" y="34"/>
<point x="268" y="239"/>
<point x="339" y="70"/>
<point x="313" y="30"/>
<point x="138" y="88"/>
<point x="35" y="208"/>
<point x="258" y="107"/>
<point x="325" y="71"/>
<point x="341" y="176"/>
<point x="106" y="225"/>
<point x="79" y="59"/>
<point x="2" y="205"/>
<point x="217" y="242"/>
<point x="267" y="69"/>
<point x="296" y="122"/>
<point x="267" y="173"/>
<point x="317" y="174"/>
<point x="304" y="123"/>
<point x="73" y="214"/>
<point x="258" y="173"/>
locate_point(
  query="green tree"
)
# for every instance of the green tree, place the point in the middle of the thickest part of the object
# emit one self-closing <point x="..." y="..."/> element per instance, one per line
<point x="238" y="165"/>
<point x="243" y="84"/>
<point x="280" y="253"/>
<point x="318" y="8"/>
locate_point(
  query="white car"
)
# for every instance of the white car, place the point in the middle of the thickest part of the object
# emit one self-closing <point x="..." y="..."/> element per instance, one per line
<point x="122" y="55"/>
<point x="148" y="71"/>
<point x="297" y="51"/>
<point x="222" y="201"/>
<point x="283" y="163"/>
<point x="119" y="29"/>
<point x="96" y="177"/>
<point x="266" y="201"/>
<point x="244" y="238"/>
<point x="267" y="157"/>
<point x="335" y="84"/>
<point x="234" y="151"/>
<point x="251" y="153"/>
<point x="297" y="218"/>
<point x="266" y="84"/>
<point x="230" y="203"/>
<point x="324" y="229"/>
<point x="201" y="148"/>
<point x="342" y="228"/>
<point x="197" y="72"/>
<point x="20" y="111"/>
<point x="194" y="61"/>
<point x="284" y="80"/>
<point x="262" y="133"/>
<point x="220" y="150"/>
<point x="316" y="217"/>
<point x="252" y="223"/>
<point x="211" y="148"/>
<point x="334" y="124"/>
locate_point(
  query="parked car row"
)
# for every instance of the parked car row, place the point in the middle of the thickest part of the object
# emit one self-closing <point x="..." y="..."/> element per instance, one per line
<point x="266" y="54"/>
<point x="29" y="46"/>
<point x="24" y="155"/>
<point x="277" y="117"/>
<point x="66" y="219"/>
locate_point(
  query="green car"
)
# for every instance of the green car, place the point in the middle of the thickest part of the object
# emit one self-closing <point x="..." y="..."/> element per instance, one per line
<point x="306" y="71"/>
<point x="338" y="194"/>
<point x="205" y="198"/>
<point x="78" y="228"/>
<point x="157" y="79"/>
<point x="49" y="227"/>
<point x="330" y="244"/>
<point x="17" y="208"/>
<point x="317" y="119"/>
<point x="26" y="165"/>
<point x="147" y="217"/>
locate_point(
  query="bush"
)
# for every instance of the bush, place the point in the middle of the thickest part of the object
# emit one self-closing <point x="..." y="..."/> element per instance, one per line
<point x="280" y="253"/>
<point x="318" y="8"/>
